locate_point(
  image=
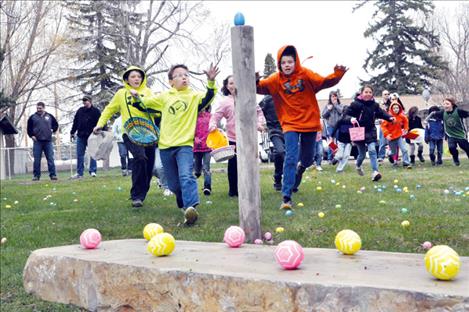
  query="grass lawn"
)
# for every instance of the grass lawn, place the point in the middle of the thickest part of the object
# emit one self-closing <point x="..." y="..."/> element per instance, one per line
<point x="44" y="214"/>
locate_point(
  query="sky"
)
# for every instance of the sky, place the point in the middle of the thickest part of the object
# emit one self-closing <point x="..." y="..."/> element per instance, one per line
<point x="326" y="30"/>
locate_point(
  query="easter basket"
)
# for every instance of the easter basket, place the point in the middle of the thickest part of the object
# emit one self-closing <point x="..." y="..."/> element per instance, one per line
<point x="141" y="131"/>
<point x="223" y="153"/>
<point x="357" y="133"/>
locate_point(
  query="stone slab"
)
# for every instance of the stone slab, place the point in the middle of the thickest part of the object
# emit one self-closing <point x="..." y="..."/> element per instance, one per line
<point x="122" y="276"/>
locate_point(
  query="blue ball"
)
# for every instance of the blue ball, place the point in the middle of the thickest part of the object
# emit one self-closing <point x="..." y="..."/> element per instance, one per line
<point x="239" y="19"/>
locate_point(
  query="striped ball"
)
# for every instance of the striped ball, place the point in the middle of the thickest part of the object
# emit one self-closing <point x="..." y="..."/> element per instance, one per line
<point x="90" y="238"/>
<point x="289" y="254"/>
<point x="151" y="229"/>
<point x="161" y="244"/>
<point x="234" y="236"/>
<point x="442" y="262"/>
<point x="348" y="242"/>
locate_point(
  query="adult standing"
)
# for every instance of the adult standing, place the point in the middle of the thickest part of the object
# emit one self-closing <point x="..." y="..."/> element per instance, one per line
<point x="41" y="125"/>
<point x="85" y="119"/>
<point x="331" y="114"/>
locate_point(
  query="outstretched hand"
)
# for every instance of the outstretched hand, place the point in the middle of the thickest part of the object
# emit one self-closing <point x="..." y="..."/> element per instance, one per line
<point x="212" y="72"/>
<point x="340" y="68"/>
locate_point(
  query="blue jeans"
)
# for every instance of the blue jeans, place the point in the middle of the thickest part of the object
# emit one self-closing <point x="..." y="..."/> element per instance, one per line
<point x="158" y="170"/>
<point x="38" y="147"/>
<point x="362" y="148"/>
<point x="299" y="146"/>
<point x="202" y="163"/>
<point x="438" y="145"/>
<point x="399" y="142"/>
<point x="319" y="152"/>
<point x="178" y="165"/>
<point x="124" y="156"/>
<point x="81" y="148"/>
<point x="382" y="144"/>
<point x="279" y="156"/>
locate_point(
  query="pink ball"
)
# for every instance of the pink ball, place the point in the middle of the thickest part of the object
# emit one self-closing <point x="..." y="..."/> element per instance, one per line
<point x="258" y="241"/>
<point x="289" y="254"/>
<point x="268" y="236"/>
<point x="234" y="236"/>
<point x="427" y="245"/>
<point x="90" y="238"/>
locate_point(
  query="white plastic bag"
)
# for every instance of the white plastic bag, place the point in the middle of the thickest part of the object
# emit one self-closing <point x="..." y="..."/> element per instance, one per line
<point x="100" y="145"/>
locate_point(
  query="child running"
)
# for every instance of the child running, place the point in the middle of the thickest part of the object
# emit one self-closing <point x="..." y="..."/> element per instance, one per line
<point x="434" y="135"/>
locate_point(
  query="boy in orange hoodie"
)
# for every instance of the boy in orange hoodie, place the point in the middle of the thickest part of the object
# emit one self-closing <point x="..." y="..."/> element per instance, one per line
<point x="293" y="90"/>
<point x="393" y="132"/>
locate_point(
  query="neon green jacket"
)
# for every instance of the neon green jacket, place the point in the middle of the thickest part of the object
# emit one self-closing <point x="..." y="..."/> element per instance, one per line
<point x="179" y="113"/>
<point x="122" y="98"/>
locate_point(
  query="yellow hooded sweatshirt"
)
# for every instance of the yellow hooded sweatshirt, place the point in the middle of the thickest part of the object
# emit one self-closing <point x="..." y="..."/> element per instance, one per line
<point x="123" y="98"/>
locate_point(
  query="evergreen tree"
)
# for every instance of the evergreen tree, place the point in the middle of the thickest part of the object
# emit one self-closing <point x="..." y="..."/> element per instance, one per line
<point x="97" y="36"/>
<point x="270" y="66"/>
<point x="405" y="59"/>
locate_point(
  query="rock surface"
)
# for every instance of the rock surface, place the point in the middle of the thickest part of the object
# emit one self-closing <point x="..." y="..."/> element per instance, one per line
<point x="122" y="276"/>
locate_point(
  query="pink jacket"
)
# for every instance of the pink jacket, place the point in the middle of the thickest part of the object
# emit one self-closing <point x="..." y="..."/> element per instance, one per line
<point x="201" y="132"/>
<point x="226" y="109"/>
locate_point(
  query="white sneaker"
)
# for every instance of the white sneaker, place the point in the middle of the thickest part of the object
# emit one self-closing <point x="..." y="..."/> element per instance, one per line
<point x="318" y="168"/>
<point x="76" y="176"/>
<point x="190" y="216"/>
<point x="360" y="171"/>
<point x="167" y="192"/>
<point x="93" y="174"/>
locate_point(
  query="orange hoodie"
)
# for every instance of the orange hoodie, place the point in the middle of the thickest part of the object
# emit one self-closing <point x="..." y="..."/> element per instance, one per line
<point x="295" y="95"/>
<point x="395" y="128"/>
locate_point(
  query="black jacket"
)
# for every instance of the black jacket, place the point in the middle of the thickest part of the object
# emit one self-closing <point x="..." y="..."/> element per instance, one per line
<point x="85" y="120"/>
<point x="42" y="127"/>
<point x="273" y="125"/>
<point x="343" y="125"/>
<point x="415" y="122"/>
<point x="366" y="113"/>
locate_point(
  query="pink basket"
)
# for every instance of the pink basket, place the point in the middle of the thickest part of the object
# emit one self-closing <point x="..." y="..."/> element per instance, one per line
<point x="357" y="133"/>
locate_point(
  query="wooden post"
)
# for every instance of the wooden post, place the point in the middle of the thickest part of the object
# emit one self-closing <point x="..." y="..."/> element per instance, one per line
<point x="242" y="45"/>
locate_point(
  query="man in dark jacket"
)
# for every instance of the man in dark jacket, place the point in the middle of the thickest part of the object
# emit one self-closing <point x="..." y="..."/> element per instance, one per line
<point x="276" y="137"/>
<point x="41" y="125"/>
<point x="85" y="120"/>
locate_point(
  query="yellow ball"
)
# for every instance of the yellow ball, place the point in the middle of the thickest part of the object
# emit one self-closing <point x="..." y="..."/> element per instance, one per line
<point x="161" y="244"/>
<point x="151" y="229"/>
<point x="348" y="242"/>
<point x="442" y="262"/>
<point x="279" y="229"/>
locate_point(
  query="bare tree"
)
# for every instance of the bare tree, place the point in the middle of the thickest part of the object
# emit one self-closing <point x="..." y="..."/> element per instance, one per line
<point x="454" y="34"/>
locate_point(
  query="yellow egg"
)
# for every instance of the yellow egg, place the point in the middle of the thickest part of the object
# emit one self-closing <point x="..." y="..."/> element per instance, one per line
<point x="348" y="242"/>
<point x="321" y="214"/>
<point x="318" y="188"/>
<point x="300" y="205"/>
<point x="7" y="206"/>
<point x="151" y="229"/>
<point x="405" y="223"/>
<point x="279" y="229"/>
<point x="442" y="262"/>
<point x="396" y="181"/>
<point x="161" y="244"/>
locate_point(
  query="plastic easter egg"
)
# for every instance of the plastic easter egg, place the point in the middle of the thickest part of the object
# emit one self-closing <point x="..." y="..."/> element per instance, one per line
<point x="289" y="213"/>
<point x="338" y="206"/>
<point x="382" y="202"/>
<point x="318" y="188"/>
<point x="427" y="245"/>
<point x="90" y="238"/>
<point x="3" y="241"/>
<point x="258" y="241"/>
<point x="404" y="210"/>
<point x="289" y="254"/>
<point x="405" y="223"/>
<point x="396" y="181"/>
<point x="239" y="19"/>
<point x="161" y="244"/>
<point x="279" y="230"/>
<point x="321" y="214"/>
<point x="300" y="205"/>
<point x="268" y="236"/>
<point x="412" y="196"/>
<point x="8" y="206"/>
<point x="234" y="236"/>
<point x="348" y="242"/>
<point x="151" y="229"/>
<point x="442" y="262"/>
<point x="446" y="192"/>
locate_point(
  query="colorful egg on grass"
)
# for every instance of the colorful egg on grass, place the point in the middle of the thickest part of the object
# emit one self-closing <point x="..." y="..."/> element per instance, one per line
<point x="348" y="242"/>
<point x="279" y="230"/>
<point x="268" y="236"/>
<point x="289" y="254"/>
<point x="289" y="213"/>
<point x="427" y="245"/>
<point x="239" y="19"/>
<point x="258" y="241"/>
<point x="234" y="236"/>
<point x="405" y="223"/>
<point x="151" y="229"/>
<point x="161" y="244"/>
<point x="442" y="262"/>
<point x="90" y="238"/>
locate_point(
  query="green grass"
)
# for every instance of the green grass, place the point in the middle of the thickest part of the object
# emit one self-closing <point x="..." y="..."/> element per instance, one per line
<point x="34" y="223"/>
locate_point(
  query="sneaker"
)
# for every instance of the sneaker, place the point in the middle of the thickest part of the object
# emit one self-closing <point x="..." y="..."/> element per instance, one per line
<point x="339" y="171"/>
<point x="190" y="216"/>
<point x="93" y="174"/>
<point x="360" y="171"/>
<point x="376" y="176"/>
<point x="286" y="205"/>
<point x="380" y="160"/>
<point x="124" y="173"/>
<point x="53" y="178"/>
<point x="407" y="166"/>
<point x="391" y="159"/>
<point x="278" y="186"/>
<point x="76" y="177"/>
<point x="334" y="162"/>
<point x="318" y="168"/>
<point x="35" y="179"/>
<point x="207" y="191"/>
<point x="167" y="192"/>
<point x="456" y="163"/>
<point x="137" y="203"/>
<point x="439" y="162"/>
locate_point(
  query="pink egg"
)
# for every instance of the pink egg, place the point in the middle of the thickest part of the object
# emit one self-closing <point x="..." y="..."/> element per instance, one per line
<point x="268" y="236"/>
<point x="90" y="238"/>
<point x="289" y="254"/>
<point x="234" y="236"/>
<point x="427" y="245"/>
<point x="258" y="241"/>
